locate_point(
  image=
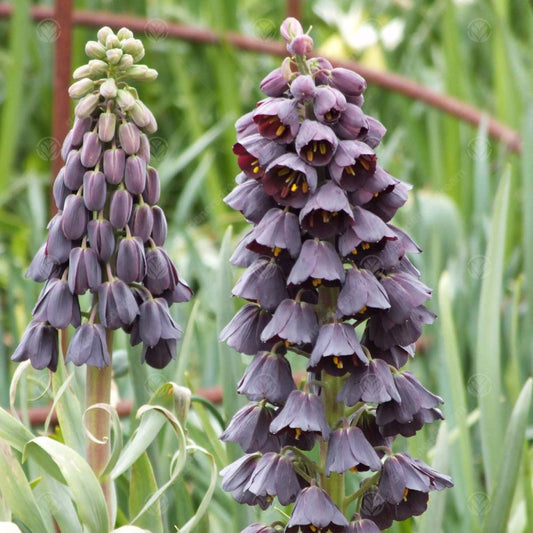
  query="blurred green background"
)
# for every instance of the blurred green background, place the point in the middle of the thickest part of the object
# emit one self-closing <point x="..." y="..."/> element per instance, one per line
<point x="471" y="211"/>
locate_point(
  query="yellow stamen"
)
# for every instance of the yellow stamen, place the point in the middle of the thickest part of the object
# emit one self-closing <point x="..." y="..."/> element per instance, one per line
<point x="294" y="187"/>
<point x="317" y="282"/>
<point x="276" y="251"/>
<point x="256" y="170"/>
<point x="405" y="493"/>
<point x="376" y="194"/>
<point x="354" y="252"/>
<point x="325" y="216"/>
<point x="298" y="433"/>
<point x="284" y="171"/>
<point x="353" y="469"/>
<point x="364" y="163"/>
<point x="328" y="116"/>
<point x="362" y="310"/>
<point x="323" y="148"/>
<point x="305" y="187"/>
<point x="310" y="155"/>
<point x="314" y="146"/>
<point x="280" y="130"/>
<point x="313" y="528"/>
<point x="366" y="246"/>
<point x="337" y="362"/>
<point x="287" y="343"/>
<point x="335" y="213"/>
<point x="350" y="170"/>
<point x="272" y="120"/>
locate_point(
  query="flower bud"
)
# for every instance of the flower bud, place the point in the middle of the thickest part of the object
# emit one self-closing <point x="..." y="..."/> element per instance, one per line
<point x="116" y="304"/>
<point x="143" y="222"/>
<point x="81" y="126"/>
<point x="126" y="61"/>
<point x="91" y="149"/>
<point x="131" y="261"/>
<point x="57" y="246"/>
<point x="80" y="88"/>
<point x="275" y="83"/>
<point x="74" y="171"/>
<point x="144" y="148"/>
<point x="88" y="346"/>
<point x="159" y="229"/>
<point x="98" y="67"/>
<point x="84" y="271"/>
<point x="128" y="135"/>
<point x="103" y="33"/>
<point x="120" y="208"/>
<point x="81" y="72"/>
<point x="66" y="146"/>
<point x="152" y="190"/>
<point x="140" y="114"/>
<point x="87" y="105"/>
<point x="114" y="164"/>
<point x="291" y="28"/>
<point x="141" y="73"/>
<point x="108" y="89"/>
<point x="57" y="305"/>
<point x="125" y="99"/>
<point x="135" y="174"/>
<point x="60" y="191"/>
<point x="106" y="126"/>
<point x="161" y="274"/>
<point x="74" y="221"/>
<point x="348" y="81"/>
<point x="134" y="47"/>
<point x="303" y="88"/>
<point x="152" y="125"/>
<point x="95" y="50"/>
<point x="112" y="41"/>
<point x="101" y="238"/>
<point x="114" y="55"/>
<point x="124" y="34"/>
<point x="94" y="190"/>
<point x="301" y="45"/>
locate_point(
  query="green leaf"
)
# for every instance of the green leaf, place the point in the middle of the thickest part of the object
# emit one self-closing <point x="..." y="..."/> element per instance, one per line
<point x="68" y="467"/>
<point x="142" y="486"/>
<point x="17" y="492"/>
<point x="508" y="476"/>
<point x="13" y="431"/>
<point x="488" y="349"/>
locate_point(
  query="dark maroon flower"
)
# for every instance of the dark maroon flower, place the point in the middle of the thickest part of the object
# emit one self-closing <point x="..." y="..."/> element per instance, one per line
<point x="39" y="344"/>
<point x="385" y="204"/>
<point x="116" y="304"/>
<point x="289" y="180"/>
<point x="161" y="274"/>
<point x="114" y="165"/>
<point x="303" y="413"/>
<point x="131" y="261"/>
<point x="57" y="305"/>
<point x="84" y="271"/>
<point x="101" y="238"/>
<point x="362" y="526"/>
<point x="255" y="153"/>
<point x="152" y="190"/>
<point x="88" y="346"/>
<point x="243" y="333"/>
<point x="376" y="131"/>
<point x="337" y="350"/>
<point x="181" y="293"/>
<point x="249" y="427"/>
<point x="57" y="248"/>
<point x="277" y="119"/>
<point x="245" y="126"/>
<point x="373" y="383"/>
<point x="41" y="267"/>
<point x="120" y="208"/>
<point x="74" y="171"/>
<point x="160" y="355"/>
<point x="250" y="199"/>
<point x="243" y="256"/>
<point x="329" y="104"/>
<point x="294" y="322"/>
<point x="60" y="190"/>
<point x="314" y="511"/>
<point x="267" y="377"/>
<point x="154" y="323"/>
<point x="277" y="231"/>
<point x="94" y="190"/>
<point x="315" y="143"/>
<point x="74" y="219"/>
<point x="236" y="477"/>
<point x="352" y="123"/>
<point x="263" y="282"/>
<point x="317" y="262"/>
<point x="143" y="222"/>
<point x="327" y="213"/>
<point x="354" y="163"/>
<point x="347" y="449"/>
<point x="159" y="226"/>
<point x="275" y="476"/>
<point x="361" y="290"/>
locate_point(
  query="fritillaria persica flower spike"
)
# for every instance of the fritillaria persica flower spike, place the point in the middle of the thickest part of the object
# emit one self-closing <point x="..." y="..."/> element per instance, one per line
<point x="108" y="234"/>
<point x="323" y="259"/>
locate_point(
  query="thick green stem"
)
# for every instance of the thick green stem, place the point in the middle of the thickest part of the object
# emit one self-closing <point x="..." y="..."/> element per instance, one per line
<point x="98" y="422"/>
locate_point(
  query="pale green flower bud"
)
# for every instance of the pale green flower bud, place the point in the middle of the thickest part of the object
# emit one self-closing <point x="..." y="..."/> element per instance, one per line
<point x="81" y="88"/>
<point x="106" y="126"/>
<point x="112" y="41"/>
<point x="82" y="72"/>
<point x="103" y="33"/>
<point x="95" y="50"/>
<point x="140" y="114"/>
<point x="124" y="33"/>
<point x="141" y="73"/>
<point x="134" y="47"/>
<point x="108" y="89"/>
<point x="152" y="126"/>
<point x="87" y="105"/>
<point x="97" y="68"/>
<point x="125" y="99"/>
<point x="114" y="55"/>
<point x="126" y="61"/>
